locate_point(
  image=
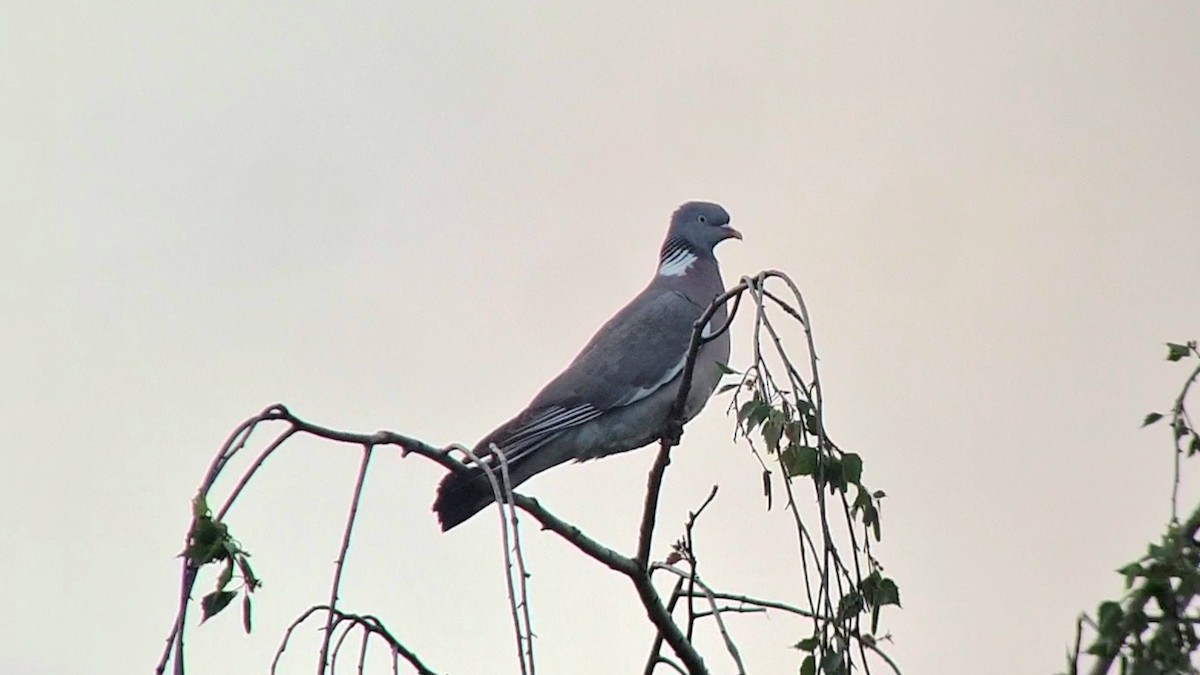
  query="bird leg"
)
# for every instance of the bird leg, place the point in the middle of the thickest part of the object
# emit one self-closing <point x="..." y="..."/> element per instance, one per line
<point x="672" y="433"/>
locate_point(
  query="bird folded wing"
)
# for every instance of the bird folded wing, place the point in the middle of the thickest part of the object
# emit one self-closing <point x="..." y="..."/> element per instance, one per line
<point x="640" y="350"/>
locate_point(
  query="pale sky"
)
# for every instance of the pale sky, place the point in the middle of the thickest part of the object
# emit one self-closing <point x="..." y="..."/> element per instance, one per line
<point x="389" y="215"/>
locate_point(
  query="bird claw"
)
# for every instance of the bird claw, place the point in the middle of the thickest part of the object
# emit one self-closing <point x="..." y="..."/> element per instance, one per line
<point x="672" y="434"/>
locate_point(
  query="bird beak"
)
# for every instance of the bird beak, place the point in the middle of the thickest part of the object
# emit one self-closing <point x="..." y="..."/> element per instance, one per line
<point x="732" y="232"/>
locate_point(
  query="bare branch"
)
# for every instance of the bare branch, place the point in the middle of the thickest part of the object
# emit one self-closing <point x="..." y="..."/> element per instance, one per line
<point x="869" y="643"/>
<point x="502" y="491"/>
<point x="370" y="626"/>
<point x="339" y="564"/>
<point x="1179" y="411"/>
<point x="655" y="657"/>
<point x="638" y="568"/>
<point x="730" y="645"/>
<point x="522" y="573"/>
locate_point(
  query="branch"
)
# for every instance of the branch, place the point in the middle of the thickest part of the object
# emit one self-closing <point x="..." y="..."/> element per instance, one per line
<point x="866" y="641"/>
<point x="655" y="657"/>
<point x="339" y="564"/>
<point x="651" y="601"/>
<point x="1178" y="413"/>
<point x="502" y="491"/>
<point x="675" y="420"/>
<point x="667" y="627"/>
<point x="637" y="568"/>
<point x="730" y="646"/>
<point x="1141" y="596"/>
<point x="370" y="624"/>
<point x="236" y="442"/>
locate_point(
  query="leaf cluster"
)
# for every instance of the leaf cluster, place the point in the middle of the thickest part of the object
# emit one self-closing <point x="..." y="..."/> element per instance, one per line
<point x="1152" y="629"/>
<point x="788" y="426"/>
<point x="1156" y="631"/>
<point x="210" y="543"/>
<point x="872" y="593"/>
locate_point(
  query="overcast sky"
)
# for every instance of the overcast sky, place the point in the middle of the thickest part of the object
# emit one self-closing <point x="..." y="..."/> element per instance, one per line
<point x="390" y="215"/>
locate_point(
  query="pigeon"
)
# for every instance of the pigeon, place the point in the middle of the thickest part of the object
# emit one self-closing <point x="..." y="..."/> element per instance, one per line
<point x="617" y="394"/>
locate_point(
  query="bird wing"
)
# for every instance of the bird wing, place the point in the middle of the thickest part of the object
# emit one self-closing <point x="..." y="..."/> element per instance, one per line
<point x="641" y="349"/>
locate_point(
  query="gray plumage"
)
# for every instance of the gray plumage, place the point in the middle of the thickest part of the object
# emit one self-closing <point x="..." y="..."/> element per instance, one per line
<point x="618" y="392"/>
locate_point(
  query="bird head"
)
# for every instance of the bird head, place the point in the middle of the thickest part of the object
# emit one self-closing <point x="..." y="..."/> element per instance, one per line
<point x="703" y="225"/>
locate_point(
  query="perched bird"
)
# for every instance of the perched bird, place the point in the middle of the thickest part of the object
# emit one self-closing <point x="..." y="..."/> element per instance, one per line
<point x="618" y="392"/>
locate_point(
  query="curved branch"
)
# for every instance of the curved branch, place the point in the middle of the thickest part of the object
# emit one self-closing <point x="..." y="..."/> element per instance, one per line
<point x="637" y="568"/>
<point x="674" y="429"/>
<point x="370" y="624"/>
<point x="340" y="563"/>
<point x="730" y="645"/>
<point x="867" y="642"/>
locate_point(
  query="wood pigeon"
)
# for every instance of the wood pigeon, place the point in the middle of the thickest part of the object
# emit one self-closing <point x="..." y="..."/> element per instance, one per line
<point x="618" y="392"/>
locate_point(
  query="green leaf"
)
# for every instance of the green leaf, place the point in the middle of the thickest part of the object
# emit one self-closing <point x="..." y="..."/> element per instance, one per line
<point x="1180" y="427"/>
<point x="1130" y="572"/>
<point x="214" y="602"/>
<point x="832" y="664"/>
<point x="206" y="541"/>
<point x="879" y="494"/>
<point x="726" y="370"/>
<point x="794" y="430"/>
<point x="1194" y="446"/>
<point x="752" y="414"/>
<point x="861" y="501"/>
<point x="888" y="594"/>
<point x="1176" y="352"/>
<point x="759" y="414"/>
<point x="799" y="461"/>
<point x="808" y="644"/>
<point x="830" y="470"/>
<point x="744" y="412"/>
<point x="767" y="487"/>
<point x="246" y="612"/>
<point x="850" y="605"/>
<point x="870" y="518"/>
<point x="772" y="431"/>
<point x="1109" y="615"/>
<point x="1151" y="419"/>
<point x="852" y="467"/>
<point x="809" y="666"/>
<point x="726" y="387"/>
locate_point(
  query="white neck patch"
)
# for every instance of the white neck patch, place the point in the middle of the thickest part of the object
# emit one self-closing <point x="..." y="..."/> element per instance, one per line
<point x="677" y="263"/>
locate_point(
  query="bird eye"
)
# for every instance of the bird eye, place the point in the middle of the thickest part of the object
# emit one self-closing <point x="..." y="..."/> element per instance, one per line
<point x="702" y="219"/>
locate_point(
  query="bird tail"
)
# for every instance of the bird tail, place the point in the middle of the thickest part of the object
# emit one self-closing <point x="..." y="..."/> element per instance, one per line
<point x="462" y="495"/>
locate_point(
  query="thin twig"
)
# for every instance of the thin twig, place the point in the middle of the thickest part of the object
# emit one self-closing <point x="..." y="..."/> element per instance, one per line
<point x="370" y="625"/>
<point x="258" y="462"/>
<point x="731" y="610"/>
<point x="656" y="647"/>
<point x="730" y="645"/>
<point x="503" y="493"/>
<point x="362" y="652"/>
<point x="522" y="573"/>
<point x="693" y="561"/>
<point x="337" y="646"/>
<point x="1179" y="411"/>
<point x="339" y="564"/>
<point x="870" y="644"/>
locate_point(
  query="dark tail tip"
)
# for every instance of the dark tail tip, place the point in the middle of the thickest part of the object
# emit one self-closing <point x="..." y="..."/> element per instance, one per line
<point x="460" y="496"/>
